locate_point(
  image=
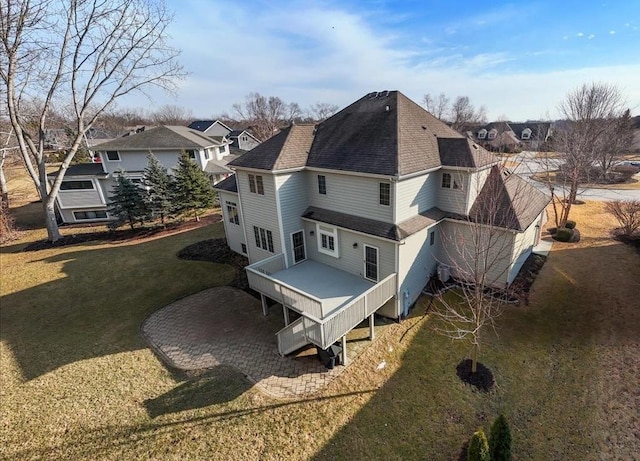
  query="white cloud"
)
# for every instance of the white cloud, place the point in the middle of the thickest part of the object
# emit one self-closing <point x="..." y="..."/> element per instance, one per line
<point x="566" y="37"/>
<point x="591" y="36"/>
<point x="612" y="32"/>
<point x="580" y="34"/>
<point x="308" y="54"/>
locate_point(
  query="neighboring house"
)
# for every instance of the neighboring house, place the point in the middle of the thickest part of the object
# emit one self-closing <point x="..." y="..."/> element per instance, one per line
<point x="85" y="191"/>
<point x="510" y="136"/>
<point x="352" y="216"/>
<point x="241" y="139"/>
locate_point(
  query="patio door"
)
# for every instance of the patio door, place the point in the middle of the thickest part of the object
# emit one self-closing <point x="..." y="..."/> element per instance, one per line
<point x="297" y="244"/>
<point x="371" y="263"/>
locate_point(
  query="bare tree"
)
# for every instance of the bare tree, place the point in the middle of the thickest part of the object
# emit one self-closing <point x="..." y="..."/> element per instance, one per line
<point x="265" y="115"/>
<point x="85" y="53"/>
<point x="463" y="113"/>
<point x="627" y="212"/>
<point x="170" y="114"/>
<point x="438" y="106"/>
<point x="322" y="110"/>
<point x="592" y="114"/>
<point x="614" y="144"/>
<point x="479" y="252"/>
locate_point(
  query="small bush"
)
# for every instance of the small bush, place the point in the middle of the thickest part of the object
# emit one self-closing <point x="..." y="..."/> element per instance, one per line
<point x="500" y="440"/>
<point x="570" y="224"/>
<point x="478" y="447"/>
<point x="627" y="212"/>
<point x="563" y="234"/>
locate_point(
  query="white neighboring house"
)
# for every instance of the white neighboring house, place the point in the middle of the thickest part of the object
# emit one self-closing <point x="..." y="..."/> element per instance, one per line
<point x="241" y="139"/>
<point x="352" y="216"/>
<point x="85" y="191"/>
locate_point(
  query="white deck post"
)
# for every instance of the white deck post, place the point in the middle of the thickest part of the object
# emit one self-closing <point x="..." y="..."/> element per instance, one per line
<point x="286" y="315"/>
<point x="345" y="360"/>
<point x="372" y="332"/>
<point x="265" y="309"/>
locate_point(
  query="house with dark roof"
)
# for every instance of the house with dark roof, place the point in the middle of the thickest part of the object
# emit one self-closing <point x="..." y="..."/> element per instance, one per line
<point x="510" y="136"/>
<point x="241" y="139"/>
<point x="84" y="193"/>
<point x="351" y="217"/>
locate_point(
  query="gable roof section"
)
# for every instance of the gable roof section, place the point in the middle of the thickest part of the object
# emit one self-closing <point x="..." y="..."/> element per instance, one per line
<point x="509" y="202"/>
<point x="228" y="184"/>
<point x="204" y="125"/>
<point x="381" y="133"/>
<point x="287" y="149"/>
<point x="82" y="169"/>
<point x="539" y="130"/>
<point x="462" y="152"/>
<point x="161" y="137"/>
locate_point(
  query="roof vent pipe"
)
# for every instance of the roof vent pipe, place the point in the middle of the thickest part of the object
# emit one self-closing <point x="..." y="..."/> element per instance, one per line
<point x="387" y="108"/>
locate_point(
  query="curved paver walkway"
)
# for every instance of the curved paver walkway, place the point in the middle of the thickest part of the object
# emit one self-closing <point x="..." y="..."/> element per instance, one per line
<point x="225" y="326"/>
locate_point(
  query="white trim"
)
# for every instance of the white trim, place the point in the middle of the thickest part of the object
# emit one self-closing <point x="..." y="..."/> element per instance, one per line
<point x="417" y="173"/>
<point x="276" y="189"/>
<point x="332" y="233"/>
<point x="380" y="183"/>
<point x="304" y="246"/>
<point x="364" y="262"/>
<point x="351" y="173"/>
<point x="242" y="221"/>
<point x="346" y="229"/>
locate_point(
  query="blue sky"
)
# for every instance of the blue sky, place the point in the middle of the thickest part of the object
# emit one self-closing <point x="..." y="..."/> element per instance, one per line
<point x="516" y="59"/>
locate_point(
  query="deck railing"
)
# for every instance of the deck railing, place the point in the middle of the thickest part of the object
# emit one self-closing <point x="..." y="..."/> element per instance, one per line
<point x="315" y="327"/>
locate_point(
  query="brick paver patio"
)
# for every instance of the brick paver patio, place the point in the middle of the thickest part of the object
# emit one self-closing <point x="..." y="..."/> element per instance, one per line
<point x="225" y="326"/>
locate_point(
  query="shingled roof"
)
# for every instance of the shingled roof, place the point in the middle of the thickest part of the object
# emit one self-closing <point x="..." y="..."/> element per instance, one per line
<point x="82" y="169"/>
<point x="228" y="184"/>
<point x="287" y="149"/>
<point x="507" y="200"/>
<point x="382" y="133"/>
<point x="161" y="137"/>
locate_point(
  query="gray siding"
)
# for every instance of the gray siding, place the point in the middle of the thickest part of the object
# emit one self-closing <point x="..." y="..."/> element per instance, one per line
<point x="475" y="183"/>
<point x="351" y="259"/>
<point x="459" y="252"/>
<point x="523" y="245"/>
<point x="233" y="232"/>
<point x="217" y="130"/>
<point x="453" y="200"/>
<point x="292" y="191"/>
<point x="137" y="160"/>
<point x="418" y="260"/>
<point x="261" y="211"/>
<point x="355" y="195"/>
<point x="416" y="195"/>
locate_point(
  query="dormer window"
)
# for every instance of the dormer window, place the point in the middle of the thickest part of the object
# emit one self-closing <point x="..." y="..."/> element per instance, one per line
<point x="482" y="134"/>
<point x="492" y="133"/>
<point x="526" y="133"/>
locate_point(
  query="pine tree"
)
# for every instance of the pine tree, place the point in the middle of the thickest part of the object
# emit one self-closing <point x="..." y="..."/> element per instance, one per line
<point x="500" y="440"/>
<point x="160" y="188"/>
<point x="127" y="203"/>
<point x="478" y="447"/>
<point x="193" y="191"/>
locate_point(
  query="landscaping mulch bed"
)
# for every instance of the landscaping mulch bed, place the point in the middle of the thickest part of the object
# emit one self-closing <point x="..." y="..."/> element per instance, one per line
<point x="217" y="251"/>
<point x="482" y="379"/>
<point x="121" y="235"/>
<point x="523" y="282"/>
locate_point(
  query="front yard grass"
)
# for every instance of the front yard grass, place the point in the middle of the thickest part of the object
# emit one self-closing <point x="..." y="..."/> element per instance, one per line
<point x="78" y="381"/>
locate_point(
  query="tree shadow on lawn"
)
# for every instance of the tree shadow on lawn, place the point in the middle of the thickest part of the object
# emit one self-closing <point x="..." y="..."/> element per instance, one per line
<point x="545" y="361"/>
<point x="97" y="307"/>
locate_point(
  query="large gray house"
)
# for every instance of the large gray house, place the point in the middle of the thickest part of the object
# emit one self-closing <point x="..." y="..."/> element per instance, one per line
<point x="84" y="193"/>
<point x="352" y="216"/>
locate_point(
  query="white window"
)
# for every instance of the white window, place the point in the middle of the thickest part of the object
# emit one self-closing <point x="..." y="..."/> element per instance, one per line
<point x="76" y="185"/>
<point x="493" y="133"/>
<point x="450" y="181"/>
<point x="222" y="150"/>
<point x="256" y="185"/>
<point x="89" y="214"/>
<point x="297" y="244"/>
<point x="371" y="263"/>
<point x="113" y="156"/>
<point x="322" y="184"/>
<point x="385" y="193"/>
<point x="207" y="154"/>
<point x="526" y="133"/>
<point x="482" y="134"/>
<point x="328" y="240"/>
<point x="232" y="213"/>
<point x="264" y="238"/>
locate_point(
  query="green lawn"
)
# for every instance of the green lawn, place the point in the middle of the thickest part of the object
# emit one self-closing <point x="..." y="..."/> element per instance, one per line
<point x="78" y="381"/>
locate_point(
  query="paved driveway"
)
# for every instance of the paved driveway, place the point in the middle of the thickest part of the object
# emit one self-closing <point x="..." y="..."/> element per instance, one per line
<point x="225" y="326"/>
